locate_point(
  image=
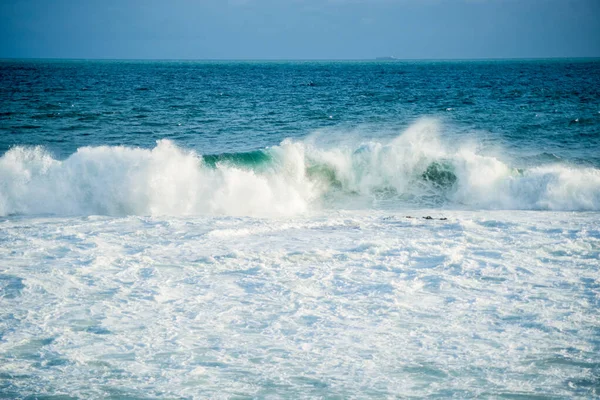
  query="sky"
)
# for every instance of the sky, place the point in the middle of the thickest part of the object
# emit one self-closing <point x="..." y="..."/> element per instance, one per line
<point x="299" y="29"/>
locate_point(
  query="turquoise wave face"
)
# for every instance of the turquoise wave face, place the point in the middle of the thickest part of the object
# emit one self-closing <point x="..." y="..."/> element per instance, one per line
<point x="253" y="159"/>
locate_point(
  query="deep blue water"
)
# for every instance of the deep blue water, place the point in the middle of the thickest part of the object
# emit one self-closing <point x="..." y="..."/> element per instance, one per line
<point x="528" y="107"/>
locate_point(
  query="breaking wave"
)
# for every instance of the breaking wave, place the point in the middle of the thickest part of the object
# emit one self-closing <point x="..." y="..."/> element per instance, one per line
<point x="416" y="168"/>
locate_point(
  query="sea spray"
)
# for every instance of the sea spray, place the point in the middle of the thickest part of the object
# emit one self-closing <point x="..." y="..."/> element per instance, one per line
<point x="131" y="181"/>
<point x="417" y="168"/>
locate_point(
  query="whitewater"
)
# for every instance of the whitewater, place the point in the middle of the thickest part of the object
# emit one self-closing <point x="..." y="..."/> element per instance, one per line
<point x="294" y="177"/>
<point x="336" y="304"/>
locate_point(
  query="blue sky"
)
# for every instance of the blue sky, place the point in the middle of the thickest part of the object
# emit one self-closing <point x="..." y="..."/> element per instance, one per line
<point x="299" y="29"/>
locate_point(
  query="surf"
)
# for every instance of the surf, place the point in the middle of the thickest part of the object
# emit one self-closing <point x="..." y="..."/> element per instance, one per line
<point x="416" y="168"/>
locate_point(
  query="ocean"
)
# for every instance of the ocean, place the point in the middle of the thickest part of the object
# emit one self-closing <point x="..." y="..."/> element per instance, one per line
<point x="299" y="229"/>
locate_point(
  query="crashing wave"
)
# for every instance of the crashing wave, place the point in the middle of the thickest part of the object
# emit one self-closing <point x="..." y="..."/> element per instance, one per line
<point x="415" y="168"/>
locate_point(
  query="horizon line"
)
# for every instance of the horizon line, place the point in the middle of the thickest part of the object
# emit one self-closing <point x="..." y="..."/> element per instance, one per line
<point x="379" y="58"/>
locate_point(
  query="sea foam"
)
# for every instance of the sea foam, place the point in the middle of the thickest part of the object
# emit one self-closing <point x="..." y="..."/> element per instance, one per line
<point x="163" y="181"/>
<point x="417" y="168"/>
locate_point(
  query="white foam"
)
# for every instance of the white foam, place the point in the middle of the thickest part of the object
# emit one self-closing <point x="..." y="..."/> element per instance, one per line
<point x="363" y="303"/>
<point x="163" y="181"/>
<point x="482" y="181"/>
<point x="168" y="180"/>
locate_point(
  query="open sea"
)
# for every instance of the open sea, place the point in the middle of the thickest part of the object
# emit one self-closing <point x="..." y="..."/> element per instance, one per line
<point x="300" y="230"/>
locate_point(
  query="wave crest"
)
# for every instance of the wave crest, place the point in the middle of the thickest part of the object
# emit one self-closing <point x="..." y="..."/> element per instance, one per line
<point x="163" y="181"/>
<point x="415" y="168"/>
